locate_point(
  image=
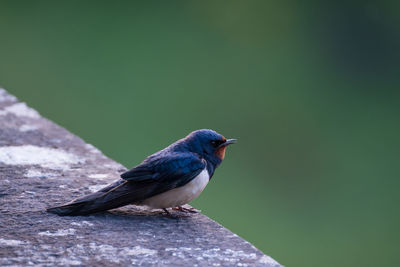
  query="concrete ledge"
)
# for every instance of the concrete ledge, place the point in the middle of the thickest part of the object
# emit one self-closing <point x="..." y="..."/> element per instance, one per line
<point x="42" y="164"/>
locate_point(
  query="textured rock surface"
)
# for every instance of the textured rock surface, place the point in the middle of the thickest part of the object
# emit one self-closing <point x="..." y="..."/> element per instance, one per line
<point x="42" y="164"/>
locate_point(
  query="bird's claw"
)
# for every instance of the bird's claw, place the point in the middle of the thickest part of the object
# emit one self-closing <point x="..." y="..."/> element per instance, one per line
<point x="167" y="212"/>
<point x="182" y="209"/>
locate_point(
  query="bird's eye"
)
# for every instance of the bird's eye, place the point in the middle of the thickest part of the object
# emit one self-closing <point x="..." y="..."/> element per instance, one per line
<point x="216" y="143"/>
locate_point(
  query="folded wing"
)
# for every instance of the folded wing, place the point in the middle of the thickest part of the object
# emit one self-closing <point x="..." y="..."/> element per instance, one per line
<point x="153" y="176"/>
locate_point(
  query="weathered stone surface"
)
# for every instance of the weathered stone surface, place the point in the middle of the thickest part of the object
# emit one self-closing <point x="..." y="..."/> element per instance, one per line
<point x="42" y="164"/>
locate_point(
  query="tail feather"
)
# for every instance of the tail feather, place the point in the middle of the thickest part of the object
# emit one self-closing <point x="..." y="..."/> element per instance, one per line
<point x="68" y="210"/>
<point x="113" y="196"/>
<point x="85" y="208"/>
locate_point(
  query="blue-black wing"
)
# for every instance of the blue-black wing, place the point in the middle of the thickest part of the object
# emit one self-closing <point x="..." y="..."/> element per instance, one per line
<point x="174" y="169"/>
<point x="153" y="176"/>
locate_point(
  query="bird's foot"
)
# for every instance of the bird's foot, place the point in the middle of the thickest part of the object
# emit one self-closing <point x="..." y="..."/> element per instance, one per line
<point x="167" y="212"/>
<point x="182" y="209"/>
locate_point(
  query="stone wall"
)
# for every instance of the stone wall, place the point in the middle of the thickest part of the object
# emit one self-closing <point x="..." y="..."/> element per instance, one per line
<point x="42" y="164"/>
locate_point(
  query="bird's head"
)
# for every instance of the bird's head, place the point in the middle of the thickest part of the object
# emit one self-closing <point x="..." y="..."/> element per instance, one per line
<point x="209" y="144"/>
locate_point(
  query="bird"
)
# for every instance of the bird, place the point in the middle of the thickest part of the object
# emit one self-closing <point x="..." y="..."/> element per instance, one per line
<point x="169" y="178"/>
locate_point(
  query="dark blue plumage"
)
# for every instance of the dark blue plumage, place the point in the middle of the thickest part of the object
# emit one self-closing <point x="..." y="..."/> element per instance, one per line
<point x="176" y="168"/>
<point x="167" y="167"/>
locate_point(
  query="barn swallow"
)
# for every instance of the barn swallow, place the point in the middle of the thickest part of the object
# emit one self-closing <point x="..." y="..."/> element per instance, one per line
<point x="169" y="178"/>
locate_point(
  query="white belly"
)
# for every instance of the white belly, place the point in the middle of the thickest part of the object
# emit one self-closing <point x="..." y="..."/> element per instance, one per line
<point x="180" y="195"/>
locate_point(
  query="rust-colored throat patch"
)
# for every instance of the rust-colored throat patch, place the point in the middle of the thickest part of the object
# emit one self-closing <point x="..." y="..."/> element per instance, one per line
<point x="221" y="152"/>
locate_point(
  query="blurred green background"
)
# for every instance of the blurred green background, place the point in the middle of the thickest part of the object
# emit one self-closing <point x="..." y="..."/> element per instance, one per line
<point x="310" y="89"/>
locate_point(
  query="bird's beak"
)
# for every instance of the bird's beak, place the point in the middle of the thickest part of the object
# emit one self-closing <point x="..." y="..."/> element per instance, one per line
<point x="227" y="142"/>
